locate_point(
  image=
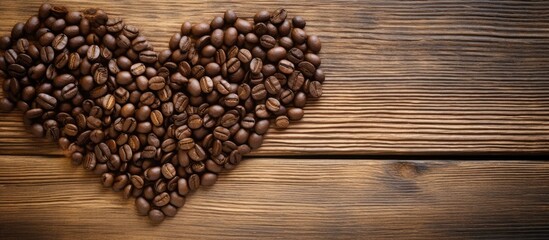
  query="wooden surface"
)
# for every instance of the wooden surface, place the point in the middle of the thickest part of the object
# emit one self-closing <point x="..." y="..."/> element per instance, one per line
<point x="436" y="80"/>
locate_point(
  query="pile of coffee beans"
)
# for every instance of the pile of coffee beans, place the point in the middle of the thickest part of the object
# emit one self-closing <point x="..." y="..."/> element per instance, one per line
<point x="158" y="125"/>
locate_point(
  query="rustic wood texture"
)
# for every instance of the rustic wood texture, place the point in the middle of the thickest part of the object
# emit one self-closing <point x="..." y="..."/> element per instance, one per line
<point x="290" y="199"/>
<point x="403" y="77"/>
<point x="450" y="78"/>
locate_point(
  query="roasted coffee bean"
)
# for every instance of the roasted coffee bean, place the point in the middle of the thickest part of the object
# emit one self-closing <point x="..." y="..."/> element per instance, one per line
<point x="139" y="44"/>
<point x="244" y="55"/>
<point x="315" y="89"/>
<point x="200" y="29"/>
<point x="298" y="22"/>
<point x="285" y="66"/>
<point x="275" y="54"/>
<point x="168" y="171"/>
<point x="125" y="152"/>
<point x="46" y="101"/>
<point x="156" y="83"/>
<point x="148" y="56"/>
<point x="60" y="42"/>
<point x="93" y="53"/>
<point x="259" y="92"/>
<point x="194" y="182"/>
<point x="272" y="104"/>
<point x="256" y="65"/>
<point x="206" y="84"/>
<point x="267" y="41"/>
<point x="307" y="68"/>
<point x="130" y="31"/>
<point x="298" y="35"/>
<point x="278" y="16"/>
<point x="221" y="133"/>
<point x="138" y="69"/>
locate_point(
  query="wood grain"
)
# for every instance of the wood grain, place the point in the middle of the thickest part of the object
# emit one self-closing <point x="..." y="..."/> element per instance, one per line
<point x="289" y="199"/>
<point x="403" y="77"/>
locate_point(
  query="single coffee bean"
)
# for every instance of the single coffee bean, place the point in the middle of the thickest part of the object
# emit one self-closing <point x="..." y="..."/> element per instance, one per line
<point x="298" y="22"/>
<point x="272" y="104"/>
<point x="278" y="16"/>
<point x="107" y="179"/>
<point x="282" y="122"/>
<point x="139" y="44"/>
<point x="142" y="206"/>
<point x="130" y="31"/>
<point x="267" y="41"/>
<point x="161" y="199"/>
<point x="208" y="179"/>
<point x="295" y="114"/>
<point x="256" y="65"/>
<point x="115" y="25"/>
<point x="307" y="68"/>
<point x="284" y="28"/>
<point x="298" y="35"/>
<point x="60" y="42"/>
<point x="259" y="92"/>
<point x="168" y="171"/>
<point x="148" y="56"/>
<point x="137" y="69"/>
<point x="315" y="89"/>
<point x="46" y="101"/>
<point x="221" y="133"/>
<point x="206" y="84"/>
<point x="285" y="66"/>
<point x="156" y="83"/>
<point x="194" y="182"/>
<point x="230" y="37"/>
<point x="200" y="29"/>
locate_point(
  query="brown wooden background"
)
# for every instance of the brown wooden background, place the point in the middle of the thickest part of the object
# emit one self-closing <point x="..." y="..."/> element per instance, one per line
<point x="432" y="114"/>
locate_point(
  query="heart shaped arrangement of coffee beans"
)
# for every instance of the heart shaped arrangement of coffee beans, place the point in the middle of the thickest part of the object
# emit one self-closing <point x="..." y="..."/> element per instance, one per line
<point x="158" y="125"/>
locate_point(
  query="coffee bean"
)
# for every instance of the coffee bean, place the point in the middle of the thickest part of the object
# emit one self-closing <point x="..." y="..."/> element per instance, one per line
<point x="137" y="69"/>
<point x="93" y="53"/>
<point x="168" y="171"/>
<point x="267" y="41"/>
<point x="208" y="179"/>
<point x="142" y="206"/>
<point x="206" y="84"/>
<point x="194" y="182"/>
<point x="59" y="42"/>
<point x="278" y="16"/>
<point x="221" y="133"/>
<point x="285" y="66"/>
<point x="315" y="89"/>
<point x="156" y="83"/>
<point x="259" y="92"/>
<point x="233" y="64"/>
<point x="130" y="31"/>
<point x="197" y="153"/>
<point x="230" y="37"/>
<point x="256" y="65"/>
<point x="299" y="36"/>
<point x="272" y="104"/>
<point x="223" y="87"/>
<point x="115" y="25"/>
<point x="148" y="56"/>
<point x="298" y="22"/>
<point x="46" y="101"/>
<point x="200" y="29"/>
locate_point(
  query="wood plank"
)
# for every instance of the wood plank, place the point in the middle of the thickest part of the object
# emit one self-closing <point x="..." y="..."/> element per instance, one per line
<point x="403" y="77"/>
<point x="291" y="198"/>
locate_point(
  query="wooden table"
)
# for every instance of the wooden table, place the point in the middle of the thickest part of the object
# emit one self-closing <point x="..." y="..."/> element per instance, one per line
<point x="433" y="117"/>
